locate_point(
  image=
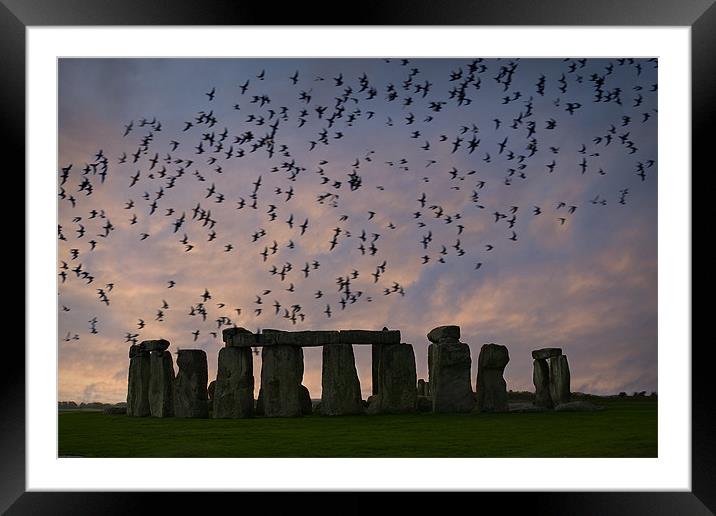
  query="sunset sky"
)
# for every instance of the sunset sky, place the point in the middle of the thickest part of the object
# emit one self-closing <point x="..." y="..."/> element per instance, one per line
<point x="579" y="272"/>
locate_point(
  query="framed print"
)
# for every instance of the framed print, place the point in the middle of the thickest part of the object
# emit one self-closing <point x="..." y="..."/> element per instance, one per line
<point x="435" y="249"/>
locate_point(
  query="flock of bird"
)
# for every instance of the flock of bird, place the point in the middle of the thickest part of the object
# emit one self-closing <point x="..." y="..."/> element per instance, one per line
<point x="456" y="175"/>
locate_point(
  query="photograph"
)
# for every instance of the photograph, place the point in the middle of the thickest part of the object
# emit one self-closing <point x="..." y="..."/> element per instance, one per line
<point x="384" y="257"/>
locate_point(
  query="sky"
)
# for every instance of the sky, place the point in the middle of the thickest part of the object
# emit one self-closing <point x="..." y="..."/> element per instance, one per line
<point x="516" y="198"/>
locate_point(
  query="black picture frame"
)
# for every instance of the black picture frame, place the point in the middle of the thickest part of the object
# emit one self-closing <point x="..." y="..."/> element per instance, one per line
<point x="699" y="15"/>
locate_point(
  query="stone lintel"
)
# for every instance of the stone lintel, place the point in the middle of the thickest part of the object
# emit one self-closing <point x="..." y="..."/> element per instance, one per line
<point x="545" y="353"/>
<point x="369" y="337"/>
<point x="228" y="334"/>
<point x="154" y="345"/>
<point x="270" y="337"/>
<point x="449" y="333"/>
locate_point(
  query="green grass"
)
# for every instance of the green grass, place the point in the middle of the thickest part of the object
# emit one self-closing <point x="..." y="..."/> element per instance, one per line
<point x="627" y="428"/>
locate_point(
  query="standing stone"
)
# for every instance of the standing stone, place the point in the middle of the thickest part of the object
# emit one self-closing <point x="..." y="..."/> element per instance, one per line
<point x="161" y="384"/>
<point x="260" y="403"/>
<point x="138" y="383"/>
<point x="233" y="336"/>
<point x="306" y="403"/>
<point x="545" y="353"/>
<point x="190" y="396"/>
<point x="340" y="386"/>
<point x="307" y="407"/>
<point x="540" y="378"/>
<point x="424" y="404"/>
<point x="491" y="388"/>
<point x="422" y="388"/>
<point x="397" y="391"/>
<point x="234" y="391"/>
<point x="449" y="376"/>
<point x="155" y="345"/>
<point x="449" y="333"/>
<point x="281" y="375"/>
<point x="559" y="379"/>
<point x="210" y="390"/>
<point x="375" y="360"/>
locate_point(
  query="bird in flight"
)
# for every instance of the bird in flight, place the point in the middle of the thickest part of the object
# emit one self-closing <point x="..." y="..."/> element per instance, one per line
<point x="391" y="161"/>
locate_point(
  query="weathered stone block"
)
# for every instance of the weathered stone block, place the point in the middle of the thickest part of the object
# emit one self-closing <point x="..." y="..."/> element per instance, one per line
<point x="281" y="376"/>
<point x="493" y="356"/>
<point x="544" y="353"/>
<point x="340" y="386"/>
<point x="260" y="403"/>
<point x="422" y="388"/>
<point x="161" y="384"/>
<point x="234" y="388"/>
<point x="491" y="388"/>
<point x="540" y="378"/>
<point x="425" y="404"/>
<point x="154" y="345"/>
<point x="230" y="335"/>
<point x="210" y="390"/>
<point x="297" y="338"/>
<point x="369" y="337"/>
<point x="449" y="376"/>
<point x="306" y="402"/>
<point x="375" y="361"/>
<point x="190" y="396"/>
<point x="138" y="383"/>
<point x="270" y="337"/>
<point x="559" y="379"/>
<point x="241" y="337"/>
<point x="397" y="391"/>
<point x="449" y="333"/>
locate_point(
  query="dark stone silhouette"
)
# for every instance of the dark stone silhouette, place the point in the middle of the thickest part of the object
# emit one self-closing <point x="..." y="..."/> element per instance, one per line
<point x="397" y="391"/>
<point x="155" y="345"/>
<point x="138" y="382"/>
<point x="154" y="390"/>
<point x="259" y="411"/>
<point x="551" y="377"/>
<point x="190" y="394"/>
<point x="544" y="353"/>
<point x="241" y="337"/>
<point x="449" y="333"/>
<point x="491" y="388"/>
<point x="384" y="336"/>
<point x="559" y="379"/>
<point x="234" y="387"/>
<point x="210" y="390"/>
<point x="230" y="335"/>
<point x="306" y="403"/>
<point x="281" y="376"/>
<point x="341" y="393"/>
<point x="540" y="378"/>
<point x="449" y="371"/>
<point x="161" y="383"/>
<point x="422" y="388"/>
<point x="375" y="360"/>
<point x="425" y="404"/>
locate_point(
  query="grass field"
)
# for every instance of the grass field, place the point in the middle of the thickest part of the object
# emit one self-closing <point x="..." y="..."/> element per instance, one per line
<point x="627" y="428"/>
